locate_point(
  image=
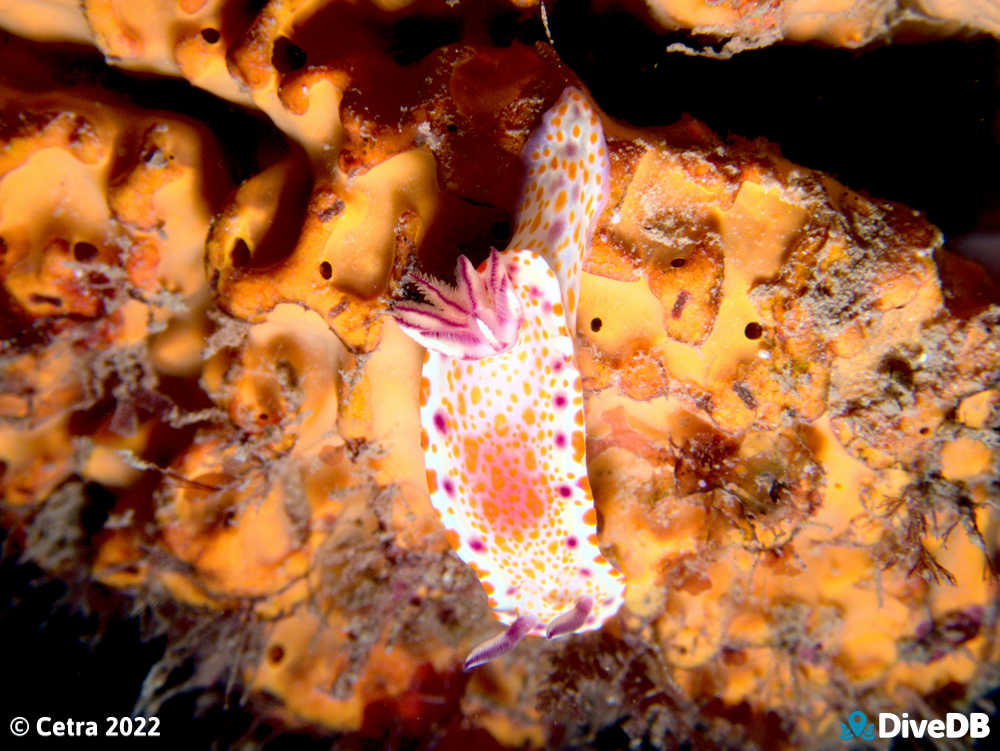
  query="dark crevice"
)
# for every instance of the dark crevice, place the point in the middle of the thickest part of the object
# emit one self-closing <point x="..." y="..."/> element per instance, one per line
<point x="897" y="121"/>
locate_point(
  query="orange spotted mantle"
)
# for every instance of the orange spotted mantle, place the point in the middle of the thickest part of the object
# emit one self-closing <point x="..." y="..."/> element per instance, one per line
<point x="501" y="402"/>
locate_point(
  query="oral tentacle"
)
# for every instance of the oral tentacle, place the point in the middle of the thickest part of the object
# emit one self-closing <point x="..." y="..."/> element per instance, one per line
<point x="502" y="643"/>
<point x="571" y="620"/>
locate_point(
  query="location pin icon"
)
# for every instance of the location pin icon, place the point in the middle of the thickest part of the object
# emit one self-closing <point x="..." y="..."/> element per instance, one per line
<point x="857" y="721"/>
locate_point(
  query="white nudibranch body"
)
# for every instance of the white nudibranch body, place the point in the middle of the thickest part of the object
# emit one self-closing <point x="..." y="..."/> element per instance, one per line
<point x="502" y="399"/>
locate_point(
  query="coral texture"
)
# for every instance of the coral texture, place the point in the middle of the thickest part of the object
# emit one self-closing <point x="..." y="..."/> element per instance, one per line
<point x="791" y="392"/>
<point x="748" y="24"/>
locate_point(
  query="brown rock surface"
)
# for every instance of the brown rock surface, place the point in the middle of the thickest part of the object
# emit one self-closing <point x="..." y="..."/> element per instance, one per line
<point x="747" y="24"/>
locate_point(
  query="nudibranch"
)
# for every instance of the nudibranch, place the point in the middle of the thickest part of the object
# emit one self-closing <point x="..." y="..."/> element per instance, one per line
<point x="501" y="399"/>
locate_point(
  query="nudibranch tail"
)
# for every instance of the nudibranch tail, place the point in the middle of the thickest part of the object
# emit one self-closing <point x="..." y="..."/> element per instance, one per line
<point x="565" y="190"/>
<point x="502" y="643"/>
<point x="478" y="317"/>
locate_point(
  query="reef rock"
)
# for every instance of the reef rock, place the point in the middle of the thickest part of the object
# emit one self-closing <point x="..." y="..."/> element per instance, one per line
<point x="749" y="24"/>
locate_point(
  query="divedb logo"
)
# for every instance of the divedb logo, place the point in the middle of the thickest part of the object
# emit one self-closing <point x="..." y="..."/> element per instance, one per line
<point x="890" y="725"/>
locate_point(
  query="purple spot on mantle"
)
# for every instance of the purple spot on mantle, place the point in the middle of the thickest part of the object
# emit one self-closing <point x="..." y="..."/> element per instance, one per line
<point x="585" y="572"/>
<point x="560" y="440"/>
<point x="448" y="486"/>
<point x="556" y="229"/>
<point x="477" y="545"/>
<point x="439" y="422"/>
<point x="558" y="365"/>
<point x="571" y="542"/>
<point x="560" y="400"/>
<point x="564" y="491"/>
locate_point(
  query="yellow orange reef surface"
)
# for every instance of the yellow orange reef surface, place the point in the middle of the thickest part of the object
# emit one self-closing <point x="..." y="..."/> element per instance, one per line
<point x="792" y="391"/>
<point x="747" y="24"/>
